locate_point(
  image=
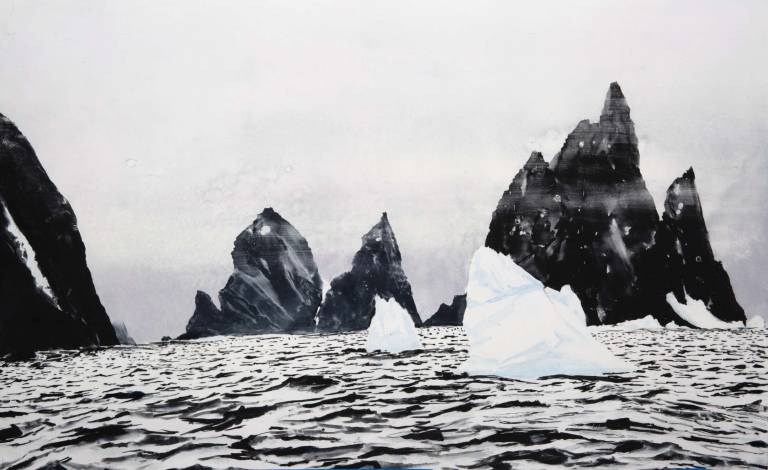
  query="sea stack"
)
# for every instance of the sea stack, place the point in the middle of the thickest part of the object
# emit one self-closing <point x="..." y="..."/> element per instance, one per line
<point x="47" y="296"/>
<point x="586" y="219"/>
<point x="698" y="273"/>
<point x="275" y="287"/>
<point x="376" y="270"/>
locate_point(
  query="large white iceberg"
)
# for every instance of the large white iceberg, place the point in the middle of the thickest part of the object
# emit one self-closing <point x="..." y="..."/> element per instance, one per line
<point x="568" y="301"/>
<point x="392" y="329"/>
<point x="516" y="330"/>
<point x="696" y="313"/>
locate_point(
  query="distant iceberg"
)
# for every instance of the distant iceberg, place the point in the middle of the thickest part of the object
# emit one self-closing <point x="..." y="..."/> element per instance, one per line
<point x="696" y="313"/>
<point x="392" y="329"/>
<point x="518" y="329"/>
<point x="645" y="323"/>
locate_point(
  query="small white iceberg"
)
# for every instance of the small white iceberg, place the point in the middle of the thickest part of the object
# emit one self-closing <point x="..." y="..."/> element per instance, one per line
<point x="518" y="329"/>
<point x="392" y="329"/>
<point x="696" y="313"/>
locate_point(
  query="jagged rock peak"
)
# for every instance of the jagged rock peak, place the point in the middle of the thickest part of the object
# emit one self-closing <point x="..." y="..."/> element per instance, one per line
<point x="590" y="222"/>
<point x="683" y="199"/>
<point x="536" y="162"/>
<point x="615" y="106"/>
<point x="275" y="286"/>
<point x="376" y="270"/>
<point x="611" y="143"/>
<point x="382" y="237"/>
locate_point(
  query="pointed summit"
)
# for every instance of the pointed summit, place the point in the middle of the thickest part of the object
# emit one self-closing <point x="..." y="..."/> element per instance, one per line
<point x="376" y="271"/>
<point x="607" y="148"/>
<point x="615" y="107"/>
<point x="536" y="161"/>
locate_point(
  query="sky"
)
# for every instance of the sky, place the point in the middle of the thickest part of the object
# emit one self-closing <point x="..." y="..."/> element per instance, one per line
<point x="169" y="125"/>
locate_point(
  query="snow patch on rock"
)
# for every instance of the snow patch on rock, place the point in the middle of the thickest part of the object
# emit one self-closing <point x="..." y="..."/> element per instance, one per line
<point x="517" y="330"/>
<point x="30" y="258"/>
<point x="392" y="329"/>
<point x="696" y="313"/>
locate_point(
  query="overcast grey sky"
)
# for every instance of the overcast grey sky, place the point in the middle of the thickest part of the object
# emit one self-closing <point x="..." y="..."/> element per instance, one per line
<point x="170" y="125"/>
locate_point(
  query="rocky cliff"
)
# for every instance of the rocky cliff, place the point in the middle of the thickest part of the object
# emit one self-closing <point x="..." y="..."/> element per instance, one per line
<point x="586" y="219"/>
<point x="275" y="287"/>
<point x="68" y="312"/>
<point x="376" y="270"/>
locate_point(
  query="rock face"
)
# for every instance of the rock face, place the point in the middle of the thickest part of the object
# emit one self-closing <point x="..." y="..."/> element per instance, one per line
<point x="449" y="315"/>
<point x="68" y="313"/>
<point x="586" y="219"/>
<point x="376" y="270"/>
<point x="697" y="271"/>
<point x="275" y="288"/>
<point x="122" y="333"/>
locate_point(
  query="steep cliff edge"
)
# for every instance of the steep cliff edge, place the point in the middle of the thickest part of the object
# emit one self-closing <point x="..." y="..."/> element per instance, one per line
<point x="71" y="313"/>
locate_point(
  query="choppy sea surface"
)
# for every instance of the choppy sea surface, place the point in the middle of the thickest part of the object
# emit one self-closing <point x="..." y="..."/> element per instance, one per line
<point x="697" y="398"/>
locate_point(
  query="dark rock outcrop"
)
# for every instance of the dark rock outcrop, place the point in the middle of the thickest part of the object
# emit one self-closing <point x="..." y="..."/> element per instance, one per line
<point x="376" y="270"/>
<point x="275" y="288"/>
<point x="586" y="219"/>
<point x="71" y="314"/>
<point x="698" y="273"/>
<point x="449" y="315"/>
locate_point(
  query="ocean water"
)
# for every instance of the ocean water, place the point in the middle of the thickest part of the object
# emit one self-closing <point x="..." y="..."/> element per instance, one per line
<point x="696" y="398"/>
